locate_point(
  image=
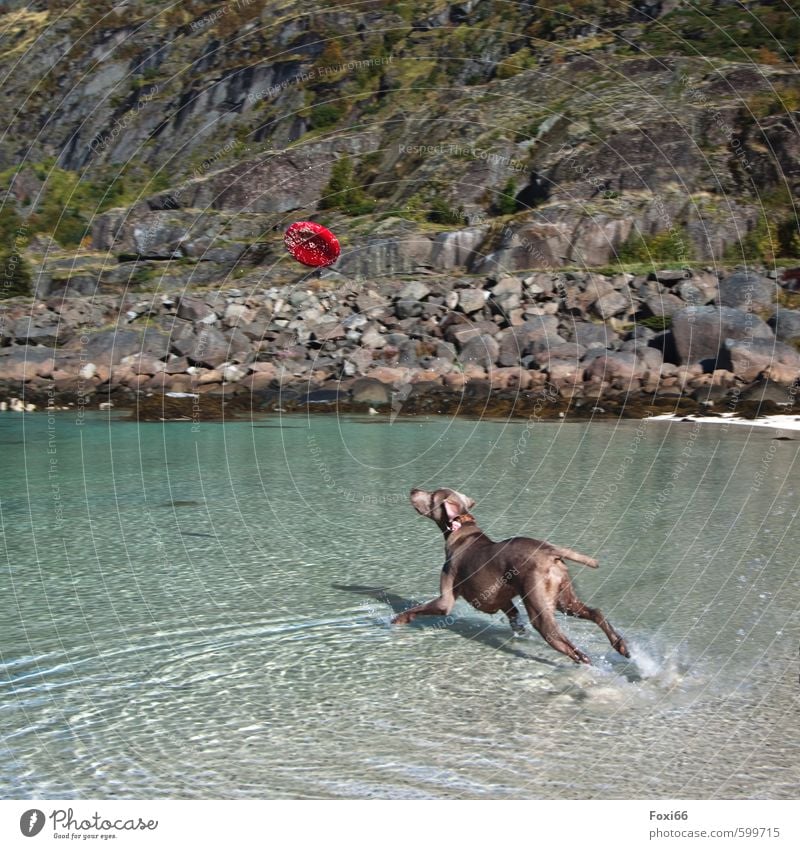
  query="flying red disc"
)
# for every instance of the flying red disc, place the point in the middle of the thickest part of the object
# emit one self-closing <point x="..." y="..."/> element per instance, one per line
<point x="311" y="244"/>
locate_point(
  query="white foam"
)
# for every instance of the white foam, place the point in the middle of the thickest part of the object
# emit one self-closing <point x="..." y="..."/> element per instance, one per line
<point x="779" y="422"/>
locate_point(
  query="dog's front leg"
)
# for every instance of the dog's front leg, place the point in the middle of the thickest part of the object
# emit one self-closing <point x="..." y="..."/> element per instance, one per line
<point x="438" y="607"/>
<point x="512" y="612"/>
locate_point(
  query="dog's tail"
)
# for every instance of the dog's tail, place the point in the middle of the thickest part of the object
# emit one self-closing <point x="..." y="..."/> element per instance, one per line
<point x="569" y="554"/>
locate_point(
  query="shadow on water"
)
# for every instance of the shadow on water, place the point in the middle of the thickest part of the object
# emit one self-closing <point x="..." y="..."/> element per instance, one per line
<point x="469" y="630"/>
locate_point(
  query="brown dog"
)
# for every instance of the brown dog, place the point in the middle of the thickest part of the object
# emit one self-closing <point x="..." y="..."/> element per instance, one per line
<point x="490" y="574"/>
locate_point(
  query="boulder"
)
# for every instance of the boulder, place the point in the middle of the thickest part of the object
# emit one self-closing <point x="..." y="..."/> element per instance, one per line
<point x="205" y="346"/>
<point x="664" y="305"/>
<point x="611" y="304"/>
<point x="699" y="333"/>
<point x="565" y="373"/>
<point x="670" y="277"/>
<point x="747" y="291"/>
<point x="692" y="294"/>
<point x="40" y="330"/>
<point x="513" y="378"/>
<point x="368" y="390"/>
<point x="567" y="351"/>
<point x="414" y="291"/>
<point x="24" y="363"/>
<point x="507" y="293"/>
<point x="591" y="335"/>
<point x="109" y="347"/>
<point x="786" y="324"/>
<point x="750" y="357"/>
<point x="390" y="376"/>
<point x="193" y="309"/>
<point x="615" y="364"/>
<point x="471" y="300"/>
<point x="482" y="350"/>
<point x="408" y="308"/>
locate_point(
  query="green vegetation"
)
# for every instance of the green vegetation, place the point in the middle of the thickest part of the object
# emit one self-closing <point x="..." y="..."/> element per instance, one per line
<point x="657" y="322"/>
<point x="441" y="212"/>
<point x="15" y="277"/>
<point x="325" y="115"/>
<point x="505" y="203"/>
<point x="766" y="33"/>
<point x="343" y="192"/>
<point x="761" y="243"/>
<point x="68" y="201"/>
<point x="669" y="246"/>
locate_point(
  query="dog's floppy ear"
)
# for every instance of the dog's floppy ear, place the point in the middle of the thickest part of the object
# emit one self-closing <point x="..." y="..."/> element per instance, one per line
<point x="422" y="501"/>
<point x="467" y="503"/>
<point x="452" y="507"/>
<point x="455" y="504"/>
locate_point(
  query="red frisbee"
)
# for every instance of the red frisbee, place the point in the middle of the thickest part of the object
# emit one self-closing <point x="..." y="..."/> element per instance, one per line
<point x="311" y="244"/>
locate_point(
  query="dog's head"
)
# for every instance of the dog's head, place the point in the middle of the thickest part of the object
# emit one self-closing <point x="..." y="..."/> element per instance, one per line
<point x="442" y="505"/>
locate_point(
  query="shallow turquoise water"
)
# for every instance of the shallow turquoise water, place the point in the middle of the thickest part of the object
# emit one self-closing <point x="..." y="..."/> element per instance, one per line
<point x="202" y="611"/>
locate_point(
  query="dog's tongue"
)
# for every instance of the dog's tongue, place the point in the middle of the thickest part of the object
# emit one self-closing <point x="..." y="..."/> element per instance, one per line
<point x="455" y="525"/>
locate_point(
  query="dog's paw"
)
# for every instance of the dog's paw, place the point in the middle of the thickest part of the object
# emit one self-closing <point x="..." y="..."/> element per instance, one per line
<point x="622" y="648"/>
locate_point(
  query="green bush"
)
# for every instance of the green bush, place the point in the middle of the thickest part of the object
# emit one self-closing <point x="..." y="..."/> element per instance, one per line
<point x="761" y="243"/>
<point x="325" y="115"/>
<point x="657" y="322"/>
<point x="506" y="201"/>
<point x="441" y="212"/>
<point x="670" y="246"/>
<point x="343" y="193"/>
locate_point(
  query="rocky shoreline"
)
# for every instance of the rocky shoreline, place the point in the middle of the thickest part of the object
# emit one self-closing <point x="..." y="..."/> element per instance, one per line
<point x="545" y="344"/>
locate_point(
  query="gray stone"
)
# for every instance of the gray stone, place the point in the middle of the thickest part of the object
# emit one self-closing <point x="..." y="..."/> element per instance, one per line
<point x="593" y="335"/>
<point x="22" y="362"/>
<point x="750" y="357"/>
<point x="747" y="291"/>
<point x="786" y="324"/>
<point x="482" y="350"/>
<point x="408" y="309"/>
<point x="372" y="338"/>
<point x="507" y="292"/>
<point x="193" y="309"/>
<point x="39" y="332"/>
<point x="205" y="346"/>
<point x="471" y="300"/>
<point x="671" y="277"/>
<point x="665" y="305"/>
<point x="615" y="364"/>
<point x="563" y="351"/>
<point x="108" y="347"/>
<point x="692" y="294"/>
<point x="612" y="304"/>
<point x="414" y="291"/>
<point x="699" y="333"/>
<point x="368" y="390"/>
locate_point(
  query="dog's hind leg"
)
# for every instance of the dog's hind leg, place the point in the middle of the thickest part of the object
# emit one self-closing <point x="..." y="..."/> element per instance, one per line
<point x="543" y="619"/>
<point x="570" y="604"/>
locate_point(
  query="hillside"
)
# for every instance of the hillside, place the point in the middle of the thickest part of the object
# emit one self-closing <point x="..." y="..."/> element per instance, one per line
<point x="541" y="137"/>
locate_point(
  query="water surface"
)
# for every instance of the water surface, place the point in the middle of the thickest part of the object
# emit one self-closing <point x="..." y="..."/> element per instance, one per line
<point x="201" y="611"/>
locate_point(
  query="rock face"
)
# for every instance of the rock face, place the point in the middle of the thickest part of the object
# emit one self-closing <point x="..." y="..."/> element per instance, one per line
<point x="293" y="118"/>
